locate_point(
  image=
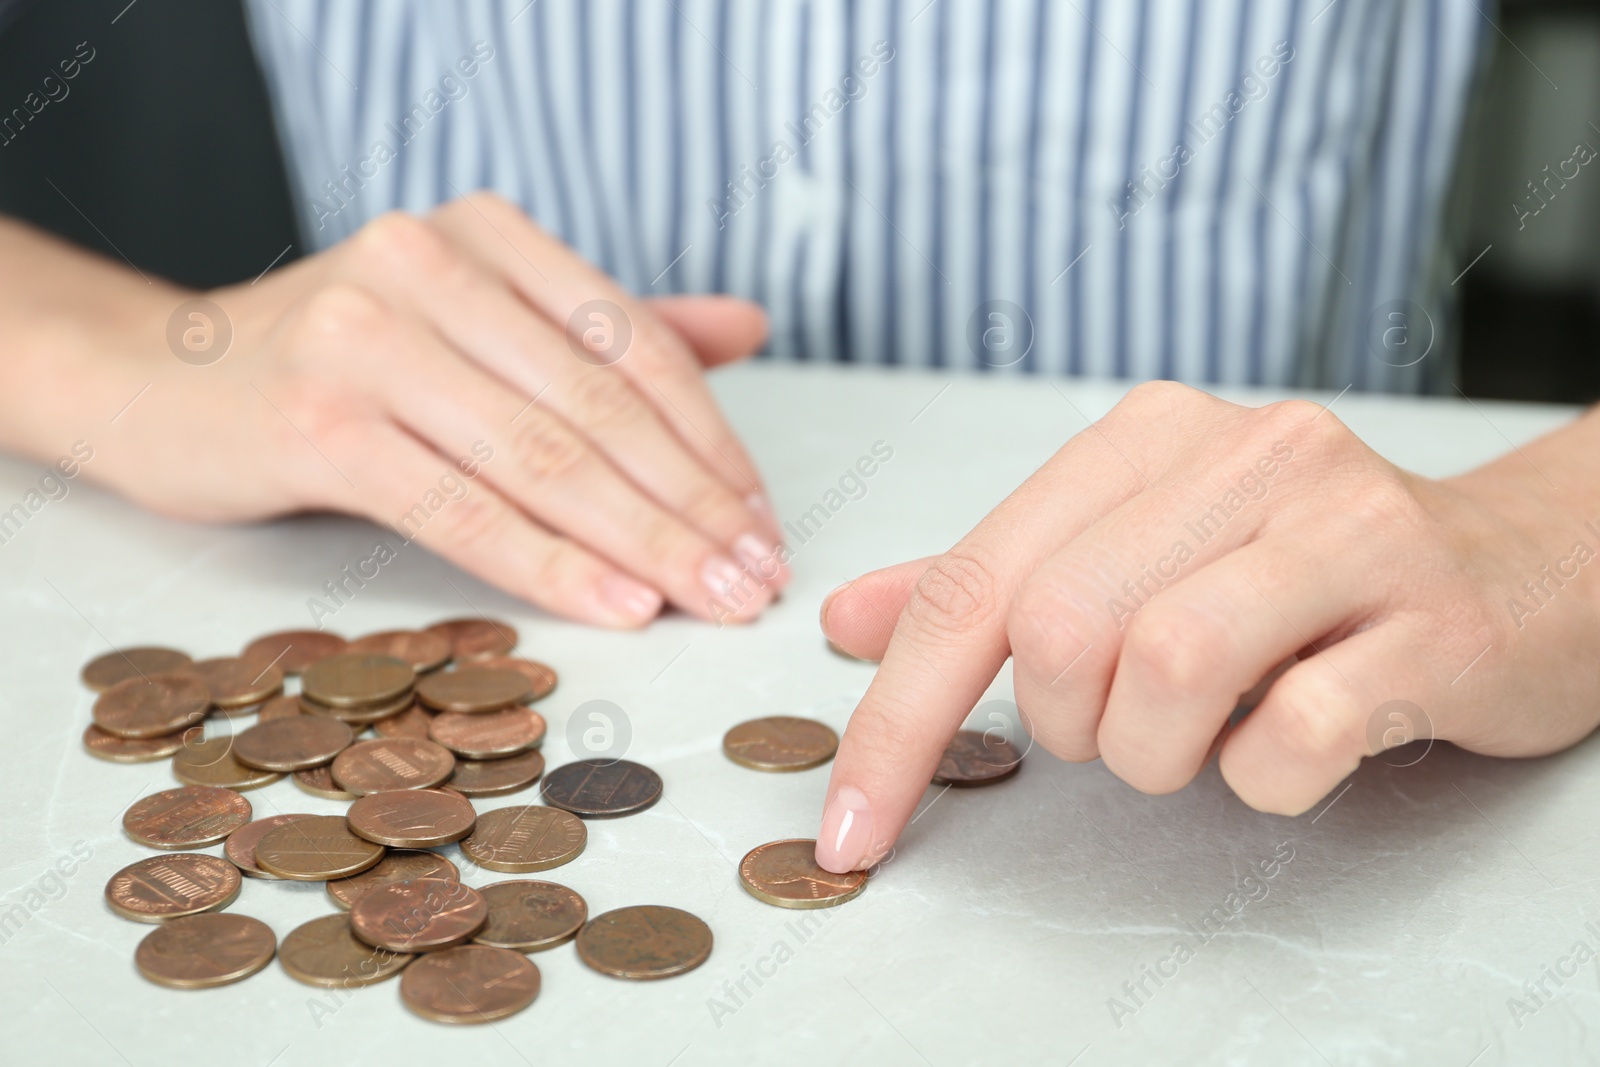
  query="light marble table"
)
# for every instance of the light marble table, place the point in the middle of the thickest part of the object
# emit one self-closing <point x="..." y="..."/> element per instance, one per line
<point x="1407" y="916"/>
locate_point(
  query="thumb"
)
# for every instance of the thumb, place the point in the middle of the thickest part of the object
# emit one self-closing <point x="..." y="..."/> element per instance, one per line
<point x="720" y="329"/>
<point x="859" y="616"/>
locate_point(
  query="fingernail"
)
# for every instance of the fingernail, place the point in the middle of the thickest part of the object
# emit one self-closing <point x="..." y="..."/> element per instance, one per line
<point x="827" y="602"/>
<point x="762" y="558"/>
<point x="721" y="576"/>
<point x="846" y="831"/>
<point x="630" y="597"/>
<point x="758" y="503"/>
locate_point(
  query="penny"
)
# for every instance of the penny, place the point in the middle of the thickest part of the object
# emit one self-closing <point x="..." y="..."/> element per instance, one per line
<point x="424" y="651"/>
<point x="292" y="744"/>
<point x="292" y="651"/>
<point x="412" y="818"/>
<point x="418" y="915"/>
<point x="597" y="788"/>
<point x="160" y="888"/>
<point x="525" y="839"/>
<point x="188" y="817"/>
<point x="473" y="689"/>
<point x="237" y="683"/>
<point x="392" y="763"/>
<point x="106" y="746"/>
<point x="974" y="757"/>
<point x="412" y="722"/>
<point x="470" y="984"/>
<point x="497" y="777"/>
<point x="240" y="848"/>
<point x="397" y="866"/>
<point x="153" y="705"/>
<point x="475" y="639"/>
<point x="318" y="781"/>
<point x="531" y="916"/>
<point x="103" y="672"/>
<point x="280" y="707"/>
<point x="780" y="743"/>
<point x="644" y="941"/>
<point x="360" y="715"/>
<point x="785" y="873"/>
<point x="315" y="849"/>
<point x="324" y="952"/>
<point x="542" y="678"/>
<point x="210" y="761"/>
<point x="490" y="735"/>
<point x="352" y="679"/>
<point x="205" y="950"/>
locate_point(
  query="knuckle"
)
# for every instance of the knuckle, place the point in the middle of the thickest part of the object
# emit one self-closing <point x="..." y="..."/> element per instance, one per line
<point x="338" y="313"/>
<point x="1176" y="649"/>
<point x="477" y="523"/>
<point x="1041" y="626"/>
<point x="605" y="402"/>
<point x="956" y="594"/>
<point x="1157" y="395"/>
<point x="398" y="239"/>
<point x="1314" y="717"/>
<point x="1381" y="502"/>
<point x="546" y="452"/>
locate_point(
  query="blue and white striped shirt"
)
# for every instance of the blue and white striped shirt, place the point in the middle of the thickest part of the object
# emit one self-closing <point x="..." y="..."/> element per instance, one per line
<point x="1217" y="191"/>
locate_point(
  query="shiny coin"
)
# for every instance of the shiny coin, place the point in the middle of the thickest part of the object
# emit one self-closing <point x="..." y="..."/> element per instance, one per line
<point x="780" y="743"/>
<point x="240" y="848"/>
<point x="153" y="705"/>
<point x="103" y="672"/>
<point x="315" y="849"/>
<point x="597" y="788"/>
<point x="785" y="873"/>
<point x="324" y="952"/>
<point x="392" y="763"/>
<point x="469" y="690"/>
<point x="490" y="735"/>
<point x="525" y="839"/>
<point x="531" y="916"/>
<point x="497" y="777"/>
<point x="470" y="984"/>
<point x="362" y="715"/>
<point x="205" y="950"/>
<point x="540" y="677"/>
<point x="106" y="746"/>
<point x="398" y="866"/>
<point x="210" y="761"/>
<point x="645" y="941"/>
<point x="292" y="744"/>
<point x="424" y="651"/>
<point x="237" y="683"/>
<point x="281" y="707"/>
<point x="292" y="651"/>
<point x="318" y="781"/>
<point x="412" y="818"/>
<point x="353" y="679"/>
<point x="474" y="639"/>
<point x="412" y="722"/>
<point x="190" y="817"/>
<point x="418" y="915"/>
<point x="974" y="757"/>
<point x="160" y="888"/>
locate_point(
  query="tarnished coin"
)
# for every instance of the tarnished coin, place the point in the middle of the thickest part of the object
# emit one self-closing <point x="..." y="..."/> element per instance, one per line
<point x="424" y="651"/>
<point x="497" y="777"/>
<point x="525" y="839"/>
<point x="352" y="679"/>
<point x="412" y="722"/>
<point x="418" y="915"/>
<point x="470" y="984"/>
<point x="292" y="651"/>
<point x="474" y="639"/>
<point x="240" y="848"/>
<point x="473" y="689"/>
<point x="202" y="951"/>
<point x="210" y="761"/>
<point x="315" y="849"/>
<point x="106" y="746"/>
<point x="644" y="941"/>
<point x="785" y="873"/>
<point x="237" y="683"/>
<point x="392" y="763"/>
<point x="361" y="715"/>
<point x="324" y="952"/>
<point x="103" y="672"/>
<point x="780" y="743"/>
<point x="412" y="818"/>
<point x="318" y="781"/>
<point x="974" y="757"/>
<point x="160" y="888"/>
<point x="280" y="707"/>
<point x="597" y="788"/>
<point x="540" y="677"/>
<point x="398" y="866"/>
<point x="192" y="816"/>
<point x="292" y="744"/>
<point x="531" y="916"/>
<point x="490" y="735"/>
<point x="152" y="705"/>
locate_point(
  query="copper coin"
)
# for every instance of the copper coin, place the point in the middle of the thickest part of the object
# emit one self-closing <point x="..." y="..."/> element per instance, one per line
<point x="280" y="707"/>
<point x="531" y="916"/>
<point x="292" y="744"/>
<point x="474" y="639"/>
<point x="525" y="839"/>
<point x="412" y="818"/>
<point x="106" y="746"/>
<point x="470" y="984"/>
<point x="497" y="777"/>
<point x="152" y="706"/>
<point x="644" y="941"/>
<point x="785" y="873"/>
<point x="473" y="689"/>
<point x="491" y="735"/>
<point x="205" y="950"/>
<point x="160" y="888"/>
<point x="418" y="915"/>
<point x="360" y="715"/>
<point x="353" y="679"/>
<point x="540" y="677"/>
<point x="780" y="743"/>
<point x="324" y="952"/>
<point x="292" y="651"/>
<point x="598" y="789"/>
<point x="974" y="757"/>
<point x="240" y="848"/>
<point x="424" y="651"/>
<point x="237" y="683"/>
<point x="315" y="849"/>
<point x="398" y="866"/>
<point x="188" y="817"/>
<point x="412" y="722"/>
<point x="392" y="763"/>
<point x="103" y="672"/>
<point x="209" y="761"/>
<point x="318" y="781"/>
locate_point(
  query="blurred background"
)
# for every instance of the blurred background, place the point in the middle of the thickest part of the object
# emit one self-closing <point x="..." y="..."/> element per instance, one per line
<point x="169" y="134"/>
